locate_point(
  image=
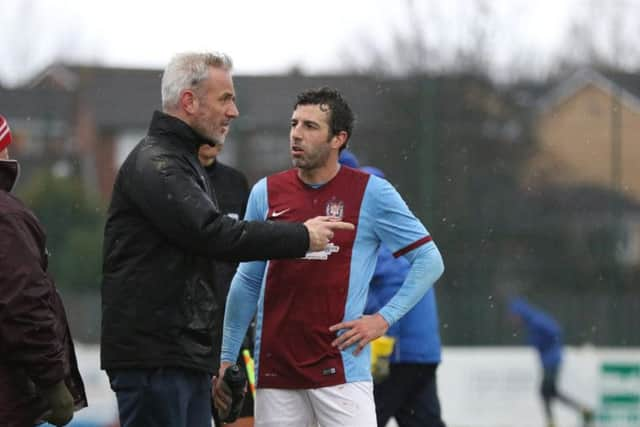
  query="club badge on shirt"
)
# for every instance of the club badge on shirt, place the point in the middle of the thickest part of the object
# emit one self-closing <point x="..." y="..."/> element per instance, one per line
<point x="335" y="208"/>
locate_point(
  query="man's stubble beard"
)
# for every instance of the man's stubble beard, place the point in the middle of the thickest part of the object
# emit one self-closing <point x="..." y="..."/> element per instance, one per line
<point x="314" y="163"/>
<point x="205" y="133"/>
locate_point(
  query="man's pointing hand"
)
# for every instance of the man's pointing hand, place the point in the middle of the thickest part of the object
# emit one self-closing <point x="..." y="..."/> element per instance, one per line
<point x="321" y="229"/>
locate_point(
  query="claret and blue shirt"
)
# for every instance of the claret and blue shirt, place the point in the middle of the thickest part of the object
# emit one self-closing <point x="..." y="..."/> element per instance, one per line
<point x="297" y="300"/>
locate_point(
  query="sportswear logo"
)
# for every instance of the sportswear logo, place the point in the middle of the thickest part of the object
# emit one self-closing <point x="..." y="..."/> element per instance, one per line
<point x="322" y="255"/>
<point x="276" y="214"/>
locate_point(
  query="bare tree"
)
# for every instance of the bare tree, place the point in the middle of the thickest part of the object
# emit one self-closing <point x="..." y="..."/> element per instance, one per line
<point x="35" y="35"/>
<point x="599" y="33"/>
<point x="410" y="52"/>
<point x="603" y="35"/>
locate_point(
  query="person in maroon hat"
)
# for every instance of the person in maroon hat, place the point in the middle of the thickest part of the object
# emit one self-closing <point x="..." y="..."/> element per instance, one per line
<point x="39" y="377"/>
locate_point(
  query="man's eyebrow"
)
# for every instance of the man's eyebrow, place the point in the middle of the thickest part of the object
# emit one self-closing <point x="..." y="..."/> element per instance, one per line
<point x="305" y="121"/>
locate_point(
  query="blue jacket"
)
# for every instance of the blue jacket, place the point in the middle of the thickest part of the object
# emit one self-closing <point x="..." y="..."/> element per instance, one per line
<point x="416" y="333"/>
<point x="543" y="332"/>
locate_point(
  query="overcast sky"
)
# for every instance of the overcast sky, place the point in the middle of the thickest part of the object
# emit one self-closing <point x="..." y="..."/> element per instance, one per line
<point x="267" y="36"/>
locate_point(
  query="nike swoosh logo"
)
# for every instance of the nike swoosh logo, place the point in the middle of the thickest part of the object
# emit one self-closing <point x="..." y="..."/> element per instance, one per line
<point x="276" y="214"/>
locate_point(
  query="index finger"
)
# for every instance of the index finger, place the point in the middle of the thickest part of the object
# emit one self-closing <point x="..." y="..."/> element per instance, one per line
<point x="341" y="325"/>
<point x="340" y="225"/>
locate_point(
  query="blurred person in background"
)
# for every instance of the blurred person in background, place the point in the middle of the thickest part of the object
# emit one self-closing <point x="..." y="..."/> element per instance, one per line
<point x="232" y="192"/>
<point x="39" y="377"/>
<point x="544" y="334"/>
<point x="347" y="158"/>
<point x="312" y="352"/>
<point x="161" y="310"/>
<point x="408" y="392"/>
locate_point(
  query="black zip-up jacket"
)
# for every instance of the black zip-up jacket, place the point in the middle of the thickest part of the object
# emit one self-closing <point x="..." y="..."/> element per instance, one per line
<point x="160" y="306"/>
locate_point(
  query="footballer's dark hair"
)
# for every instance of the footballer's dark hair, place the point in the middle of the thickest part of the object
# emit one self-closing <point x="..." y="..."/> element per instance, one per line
<point x="341" y="117"/>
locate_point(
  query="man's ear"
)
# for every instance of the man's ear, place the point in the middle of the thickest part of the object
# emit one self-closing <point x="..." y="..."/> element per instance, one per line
<point x="189" y="101"/>
<point x="339" y="139"/>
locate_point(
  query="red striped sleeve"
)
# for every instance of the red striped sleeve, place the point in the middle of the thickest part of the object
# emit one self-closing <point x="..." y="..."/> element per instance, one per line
<point x="412" y="246"/>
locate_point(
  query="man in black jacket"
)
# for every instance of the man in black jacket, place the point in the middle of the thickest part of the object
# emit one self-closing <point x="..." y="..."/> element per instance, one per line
<point x="161" y="311"/>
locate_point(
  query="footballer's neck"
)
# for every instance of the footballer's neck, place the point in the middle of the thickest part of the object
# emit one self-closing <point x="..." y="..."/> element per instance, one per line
<point x="319" y="176"/>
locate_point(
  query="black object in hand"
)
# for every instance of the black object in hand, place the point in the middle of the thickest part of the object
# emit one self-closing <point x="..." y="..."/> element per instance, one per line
<point x="236" y="380"/>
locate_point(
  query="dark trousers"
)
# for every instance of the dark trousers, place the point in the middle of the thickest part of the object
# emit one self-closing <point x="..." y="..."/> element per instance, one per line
<point x="549" y="391"/>
<point x="410" y="395"/>
<point x="162" y="397"/>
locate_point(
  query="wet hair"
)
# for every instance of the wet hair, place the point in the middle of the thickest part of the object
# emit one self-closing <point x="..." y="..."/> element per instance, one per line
<point x="188" y="71"/>
<point x="341" y="117"/>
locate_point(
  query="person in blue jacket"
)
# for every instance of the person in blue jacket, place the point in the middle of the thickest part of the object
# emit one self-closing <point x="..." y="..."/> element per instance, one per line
<point x="409" y="392"/>
<point x="347" y="158"/>
<point x="545" y="335"/>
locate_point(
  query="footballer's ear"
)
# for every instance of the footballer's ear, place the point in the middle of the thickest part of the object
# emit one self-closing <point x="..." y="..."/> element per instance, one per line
<point x="339" y="139"/>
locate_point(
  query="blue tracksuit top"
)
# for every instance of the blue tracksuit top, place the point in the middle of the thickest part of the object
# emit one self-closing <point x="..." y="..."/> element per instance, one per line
<point x="543" y="332"/>
<point x="416" y="334"/>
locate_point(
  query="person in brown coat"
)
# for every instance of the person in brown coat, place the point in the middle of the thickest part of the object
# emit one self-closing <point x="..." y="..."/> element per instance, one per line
<point x="39" y="377"/>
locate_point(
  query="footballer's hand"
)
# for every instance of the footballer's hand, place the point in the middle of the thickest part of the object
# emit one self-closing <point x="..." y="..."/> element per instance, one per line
<point x="221" y="393"/>
<point x="360" y="332"/>
<point x="321" y="230"/>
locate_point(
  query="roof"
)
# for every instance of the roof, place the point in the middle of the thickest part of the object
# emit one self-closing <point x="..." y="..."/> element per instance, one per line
<point x="119" y="97"/>
<point x="25" y="104"/>
<point x="277" y="95"/>
<point x="629" y="81"/>
<point x="625" y="85"/>
<point x="124" y="97"/>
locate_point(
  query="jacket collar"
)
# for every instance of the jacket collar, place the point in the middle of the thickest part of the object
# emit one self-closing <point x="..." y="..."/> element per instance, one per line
<point x="165" y="124"/>
<point x="9" y="171"/>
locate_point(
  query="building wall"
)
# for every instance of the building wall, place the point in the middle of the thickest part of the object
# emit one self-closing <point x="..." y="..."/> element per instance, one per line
<point x="106" y="169"/>
<point x="576" y="141"/>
